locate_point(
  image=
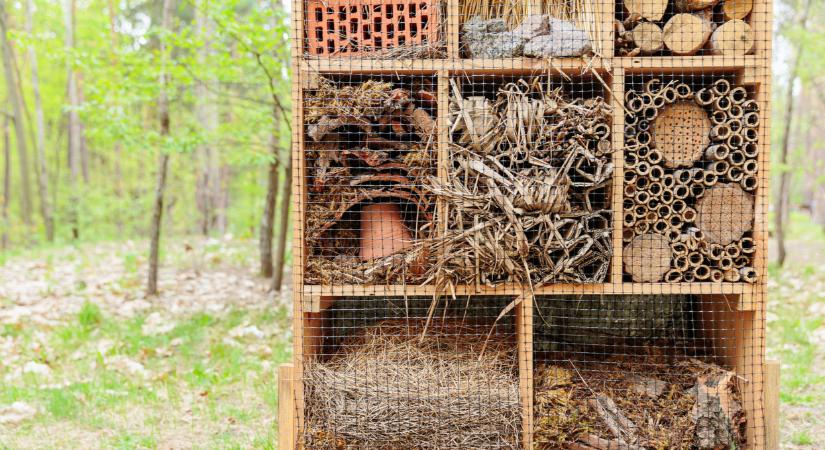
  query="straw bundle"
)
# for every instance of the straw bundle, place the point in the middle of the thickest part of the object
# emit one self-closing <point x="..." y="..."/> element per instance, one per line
<point x="392" y="388"/>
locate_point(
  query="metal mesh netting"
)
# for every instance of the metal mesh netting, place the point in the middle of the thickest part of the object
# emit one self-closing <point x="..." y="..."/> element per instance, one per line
<point x="530" y="224"/>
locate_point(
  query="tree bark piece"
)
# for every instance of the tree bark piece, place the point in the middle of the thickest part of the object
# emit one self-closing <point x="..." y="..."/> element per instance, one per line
<point x="733" y="38"/>
<point x="652" y="10"/>
<point x="685" y="34"/>
<point x="648" y="37"/>
<point x="681" y="133"/>
<point x="736" y="9"/>
<point x="622" y="428"/>
<point x="647" y="257"/>
<point x="725" y="213"/>
<point x="716" y="413"/>
<point x="684" y="6"/>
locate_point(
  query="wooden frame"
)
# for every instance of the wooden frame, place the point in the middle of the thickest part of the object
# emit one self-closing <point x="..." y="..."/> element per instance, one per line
<point x="745" y="302"/>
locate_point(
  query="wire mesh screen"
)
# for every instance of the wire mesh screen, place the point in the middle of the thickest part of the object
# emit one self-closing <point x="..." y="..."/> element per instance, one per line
<point x="530" y="224"/>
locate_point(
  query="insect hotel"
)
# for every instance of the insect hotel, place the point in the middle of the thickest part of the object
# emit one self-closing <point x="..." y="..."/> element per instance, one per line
<point x="530" y="224"/>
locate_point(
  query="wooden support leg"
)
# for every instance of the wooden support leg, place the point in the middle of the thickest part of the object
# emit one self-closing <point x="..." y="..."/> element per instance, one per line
<point x="772" y="405"/>
<point x="286" y="407"/>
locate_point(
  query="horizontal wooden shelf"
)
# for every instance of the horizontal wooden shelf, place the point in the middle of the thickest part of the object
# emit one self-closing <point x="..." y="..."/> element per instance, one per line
<point x="684" y="64"/>
<point x="317" y="298"/>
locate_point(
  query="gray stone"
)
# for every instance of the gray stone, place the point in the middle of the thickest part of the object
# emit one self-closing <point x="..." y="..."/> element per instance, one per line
<point x="532" y="26"/>
<point x="494" y="45"/>
<point x="476" y="25"/>
<point x="564" y="40"/>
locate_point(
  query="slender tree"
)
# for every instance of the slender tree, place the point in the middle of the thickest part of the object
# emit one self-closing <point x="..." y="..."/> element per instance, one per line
<point x="163" y="160"/>
<point x="73" y="118"/>
<point x="4" y="237"/>
<point x="283" y="226"/>
<point x="40" y="140"/>
<point x="19" y="130"/>
<point x="268" y="217"/>
<point x="781" y="205"/>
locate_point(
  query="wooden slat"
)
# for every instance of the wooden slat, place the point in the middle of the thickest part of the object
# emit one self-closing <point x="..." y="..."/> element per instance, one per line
<point x="453" y="28"/>
<point x="286" y="407"/>
<point x="524" y="329"/>
<point x="771" y="405"/>
<point x="617" y="135"/>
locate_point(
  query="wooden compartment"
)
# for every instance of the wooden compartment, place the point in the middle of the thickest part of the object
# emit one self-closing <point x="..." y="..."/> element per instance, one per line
<point x="691" y="178"/>
<point x="410" y="373"/>
<point x="611" y="368"/>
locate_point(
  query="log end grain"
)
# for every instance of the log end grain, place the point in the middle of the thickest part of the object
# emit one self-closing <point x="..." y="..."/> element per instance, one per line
<point x="648" y="37"/>
<point x="685" y="34"/>
<point x="647" y="257"/>
<point x="736" y="9"/>
<point x="725" y="213"/>
<point x="733" y="38"/>
<point x="652" y="10"/>
<point x="681" y="132"/>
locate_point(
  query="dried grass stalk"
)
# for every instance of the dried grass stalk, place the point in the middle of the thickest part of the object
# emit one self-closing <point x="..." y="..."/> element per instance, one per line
<point x="527" y="197"/>
<point x="392" y="389"/>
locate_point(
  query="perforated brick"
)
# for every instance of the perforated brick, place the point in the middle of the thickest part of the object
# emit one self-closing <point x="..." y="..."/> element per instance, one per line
<point x="348" y="28"/>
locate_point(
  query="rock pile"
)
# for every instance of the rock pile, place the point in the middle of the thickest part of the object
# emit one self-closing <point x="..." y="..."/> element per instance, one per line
<point x="538" y="36"/>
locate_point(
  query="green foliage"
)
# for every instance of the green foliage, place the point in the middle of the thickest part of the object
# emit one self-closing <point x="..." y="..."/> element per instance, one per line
<point x="228" y="57"/>
<point x="89" y="316"/>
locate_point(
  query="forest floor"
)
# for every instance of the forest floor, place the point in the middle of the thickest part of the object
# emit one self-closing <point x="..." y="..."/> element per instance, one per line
<point x="87" y="361"/>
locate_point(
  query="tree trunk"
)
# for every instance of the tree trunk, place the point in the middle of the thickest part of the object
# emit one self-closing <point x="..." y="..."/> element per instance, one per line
<point x="781" y="206"/>
<point x="163" y="162"/>
<point x="40" y="141"/>
<point x="81" y="131"/>
<point x="14" y="100"/>
<point x="207" y="179"/>
<point x="268" y="219"/>
<point x="74" y="122"/>
<point x="4" y="238"/>
<point x="283" y="226"/>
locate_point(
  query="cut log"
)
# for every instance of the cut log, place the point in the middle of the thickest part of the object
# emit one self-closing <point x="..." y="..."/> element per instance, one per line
<point x="725" y="213"/>
<point x="648" y="38"/>
<point x="652" y="10"/>
<point x="733" y="38"/>
<point x="685" y="34"/>
<point x="736" y="9"/>
<point x="647" y="257"/>
<point x="681" y="133"/>
<point x="684" y="6"/>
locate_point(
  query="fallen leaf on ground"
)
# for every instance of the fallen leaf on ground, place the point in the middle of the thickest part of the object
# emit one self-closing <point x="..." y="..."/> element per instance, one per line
<point x="127" y="366"/>
<point x="16" y="413"/>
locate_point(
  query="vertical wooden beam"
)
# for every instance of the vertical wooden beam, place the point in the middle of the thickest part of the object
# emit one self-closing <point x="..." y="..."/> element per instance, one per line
<point x="524" y="330"/>
<point x="771" y="405"/>
<point x="453" y="28"/>
<point x="617" y="84"/>
<point x="286" y="407"/>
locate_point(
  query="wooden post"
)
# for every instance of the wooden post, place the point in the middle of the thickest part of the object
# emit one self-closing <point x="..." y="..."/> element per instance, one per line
<point x="524" y="329"/>
<point x="286" y="407"/>
<point x="772" y="405"/>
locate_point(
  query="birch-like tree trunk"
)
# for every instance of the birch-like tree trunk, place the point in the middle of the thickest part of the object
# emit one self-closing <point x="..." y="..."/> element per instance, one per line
<point x="207" y="183"/>
<point x="73" y="119"/>
<point x="14" y="96"/>
<point x="4" y="236"/>
<point x="163" y="161"/>
<point x="40" y="132"/>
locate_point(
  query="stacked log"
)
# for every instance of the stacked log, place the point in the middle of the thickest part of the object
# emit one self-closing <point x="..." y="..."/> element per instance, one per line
<point x="691" y="169"/>
<point x="650" y="27"/>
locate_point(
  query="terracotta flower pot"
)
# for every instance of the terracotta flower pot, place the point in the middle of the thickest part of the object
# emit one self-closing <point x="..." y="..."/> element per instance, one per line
<point x="382" y="231"/>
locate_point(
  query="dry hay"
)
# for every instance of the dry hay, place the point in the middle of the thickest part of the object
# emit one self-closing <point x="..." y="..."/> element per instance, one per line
<point x="637" y="404"/>
<point x="528" y="195"/>
<point x="366" y="142"/>
<point x="393" y="387"/>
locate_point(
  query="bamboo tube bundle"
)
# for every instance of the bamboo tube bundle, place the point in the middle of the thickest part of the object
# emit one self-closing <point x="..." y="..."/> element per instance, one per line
<point x="690" y="168"/>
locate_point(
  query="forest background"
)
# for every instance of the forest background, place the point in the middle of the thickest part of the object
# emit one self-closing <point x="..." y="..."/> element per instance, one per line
<point x="144" y="221"/>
